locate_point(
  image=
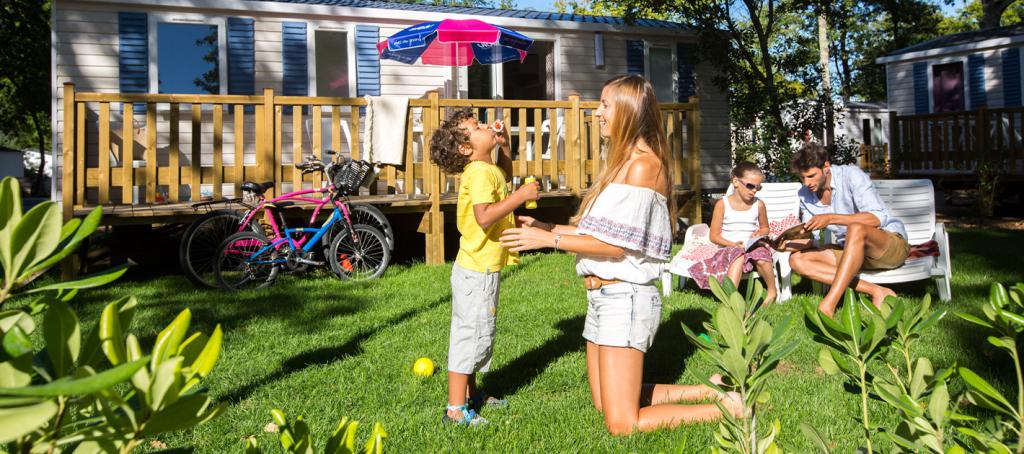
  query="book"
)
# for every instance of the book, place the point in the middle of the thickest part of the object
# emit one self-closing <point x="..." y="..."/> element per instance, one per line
<point x="795" y="232"/>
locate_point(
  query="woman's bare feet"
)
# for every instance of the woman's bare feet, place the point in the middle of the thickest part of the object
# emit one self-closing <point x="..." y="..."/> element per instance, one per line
<point x="878" y="297"/>
<point x="733" y="402"/>
<point x="770" y="298"/>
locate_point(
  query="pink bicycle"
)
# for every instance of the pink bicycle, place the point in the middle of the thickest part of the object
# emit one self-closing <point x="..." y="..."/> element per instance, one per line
<point x="250" y="259"/>
<point x="198" y="248"/>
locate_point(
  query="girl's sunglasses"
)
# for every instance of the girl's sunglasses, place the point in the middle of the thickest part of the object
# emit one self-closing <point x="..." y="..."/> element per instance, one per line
<point x="751" y="186"/>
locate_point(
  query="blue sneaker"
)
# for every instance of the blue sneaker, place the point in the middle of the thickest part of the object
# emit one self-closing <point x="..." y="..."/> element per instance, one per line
<point x="469" y="417"/>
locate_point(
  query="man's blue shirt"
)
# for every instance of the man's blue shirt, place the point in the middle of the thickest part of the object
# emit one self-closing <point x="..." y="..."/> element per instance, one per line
<point x="852" y="193"/>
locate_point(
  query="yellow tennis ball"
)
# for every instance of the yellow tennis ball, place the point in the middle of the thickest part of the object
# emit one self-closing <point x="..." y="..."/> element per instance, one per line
<point x="423" y="367"/>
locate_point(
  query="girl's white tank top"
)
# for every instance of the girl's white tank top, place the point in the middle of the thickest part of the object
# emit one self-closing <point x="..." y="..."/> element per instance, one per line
<point x="739" y="225"/>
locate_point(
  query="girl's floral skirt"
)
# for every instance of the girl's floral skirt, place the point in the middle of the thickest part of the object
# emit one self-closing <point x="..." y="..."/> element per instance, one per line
<point x="718" y="264"/>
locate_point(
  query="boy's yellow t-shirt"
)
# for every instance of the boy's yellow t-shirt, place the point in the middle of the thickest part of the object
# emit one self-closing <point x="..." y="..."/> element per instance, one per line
<point x="480" y="249"/>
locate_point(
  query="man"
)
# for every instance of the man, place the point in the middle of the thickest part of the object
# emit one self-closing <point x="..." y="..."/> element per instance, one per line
<point x="843" y="200"/>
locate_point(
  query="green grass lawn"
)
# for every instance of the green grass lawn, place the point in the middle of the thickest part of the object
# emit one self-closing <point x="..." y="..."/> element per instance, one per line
<point x="316" y="346"/>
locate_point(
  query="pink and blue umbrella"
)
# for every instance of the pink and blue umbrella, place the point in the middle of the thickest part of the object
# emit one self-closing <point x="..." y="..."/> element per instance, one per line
<point x="454" y="42"/>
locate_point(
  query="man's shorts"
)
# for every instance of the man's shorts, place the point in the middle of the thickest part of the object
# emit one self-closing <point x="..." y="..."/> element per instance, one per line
<point x="474" y="311"/>
<point x="623" y="315"/>
<point x="893" y="257"/>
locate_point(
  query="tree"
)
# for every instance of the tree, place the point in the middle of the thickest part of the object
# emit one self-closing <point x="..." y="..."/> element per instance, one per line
<point x="992" y="12"/>
<point x="971" y="17"/>
<point x="25" y="92"/>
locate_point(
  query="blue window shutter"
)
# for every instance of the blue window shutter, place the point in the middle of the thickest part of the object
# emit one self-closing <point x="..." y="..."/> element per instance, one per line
<point x="635" y="57"/>
<point x="133" y="54"/>
<point x="976" y="81"/>
<point x="367" y="60"/>
<point x="294" y="58"/>
<point x="685" y="59"/>
<point x="241" y="56"/>
<point x="921" y="87"/>
<point x="1011" y="77"/>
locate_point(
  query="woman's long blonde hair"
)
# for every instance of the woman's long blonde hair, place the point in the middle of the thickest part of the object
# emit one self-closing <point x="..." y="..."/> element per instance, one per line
<point x="637" y="116"/>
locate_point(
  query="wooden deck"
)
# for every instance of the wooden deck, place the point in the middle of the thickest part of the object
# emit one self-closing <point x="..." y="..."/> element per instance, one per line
<point x="149" y="159"/>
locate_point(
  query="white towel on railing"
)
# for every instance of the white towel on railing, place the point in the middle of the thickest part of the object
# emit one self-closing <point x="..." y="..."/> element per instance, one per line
<point x="385" y="128"/>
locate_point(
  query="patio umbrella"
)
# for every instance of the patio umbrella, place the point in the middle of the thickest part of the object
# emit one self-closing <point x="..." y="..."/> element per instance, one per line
<point x="454" y="42"/>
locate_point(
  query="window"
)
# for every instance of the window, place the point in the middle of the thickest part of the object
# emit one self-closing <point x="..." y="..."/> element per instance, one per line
<point x="948" y="87"/>
<point x="331" y="49"/>
<point x="188" y="58"/>
<point x="866" y="132"/>
<point x="661" y="72"/>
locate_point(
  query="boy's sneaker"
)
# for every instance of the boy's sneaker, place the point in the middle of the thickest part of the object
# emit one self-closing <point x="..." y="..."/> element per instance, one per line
<point x="483" y="400"/>
<point x="469" y="417"/>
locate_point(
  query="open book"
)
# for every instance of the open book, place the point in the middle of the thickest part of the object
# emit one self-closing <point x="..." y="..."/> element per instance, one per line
<point x="776" y="242"/>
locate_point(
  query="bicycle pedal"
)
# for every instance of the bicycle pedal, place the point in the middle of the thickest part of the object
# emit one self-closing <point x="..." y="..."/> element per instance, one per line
<point x="306" y="261"/>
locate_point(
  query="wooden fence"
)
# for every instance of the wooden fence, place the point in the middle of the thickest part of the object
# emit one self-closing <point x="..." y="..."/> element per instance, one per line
<point x="957" y="143"/>
<point x="149" y="157"/>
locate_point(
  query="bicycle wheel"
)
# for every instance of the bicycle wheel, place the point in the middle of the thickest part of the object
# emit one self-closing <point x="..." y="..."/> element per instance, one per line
<point x="361" y="213"/>
<point x="200" y="241"/>
<point x="241" y="265"/>
<point x="360" y="254"/>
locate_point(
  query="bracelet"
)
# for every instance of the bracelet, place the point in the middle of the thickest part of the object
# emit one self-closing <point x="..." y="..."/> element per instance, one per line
<point x="558" y="236"/>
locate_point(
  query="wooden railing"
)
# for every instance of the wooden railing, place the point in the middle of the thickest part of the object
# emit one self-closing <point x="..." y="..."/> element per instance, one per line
<point x="874" y="159"/>
<point x="185" y="148"/>
<point x="957" y="142"/>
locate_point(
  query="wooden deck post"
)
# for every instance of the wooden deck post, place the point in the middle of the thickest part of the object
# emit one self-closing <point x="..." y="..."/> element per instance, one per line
<point x="432" y="179"/>
<point x="693" y="133"/>
<point x="894" y="141"/>
<point x="265" y="136"/>
<point x="67" y="186"/>
<point x="574" y="169"/>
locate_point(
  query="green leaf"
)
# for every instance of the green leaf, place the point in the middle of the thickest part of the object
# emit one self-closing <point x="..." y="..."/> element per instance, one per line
<point x="343" y="440"/>
<point x="169" y="339"/>
<point x="81" y="229"/>
<point x="931" y="320"/>
<point x="844" y="364"/>
<point x="91" y="281"/>
<point x="717" y="289"/>
<point x="211" y="352"/>
<point x="19" y="318"/>
<point x="1007" y="315"/>
<point x="895" y="397"/>
<point x="997" y="295"/>
<point x="185" y="413"/>
<point x="252" y="446"/>
<point x="919" y="380"/>
<point x="166" y="384"/>
<point x="79" y="386"/>
<point x="110" y="334"/>
<point x="938" y="404"/>
<point x="729" y="326"/>
<point x="10" y="218"/>
<point x="63" y="337"/>
<point x="975" y="320"/>
<point x="16" y="343"/>
<point x="37" y="234"/>
<point x="376" y="443"/>
<point x="826" y="362"/>
<point x="815" y="437"/>
<point x="18" y="421"/>
<point x="124" y="311"/>
<point x="1005" y="343"/>
<point x="978" y="384"/>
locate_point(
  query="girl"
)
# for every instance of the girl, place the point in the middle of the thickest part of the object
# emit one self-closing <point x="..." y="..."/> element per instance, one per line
<point x="737" y="218"/>
<point x="622" y="235"/>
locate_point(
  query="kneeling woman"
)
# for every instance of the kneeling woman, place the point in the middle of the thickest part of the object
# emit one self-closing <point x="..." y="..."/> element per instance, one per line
<point x="622" y="236"/>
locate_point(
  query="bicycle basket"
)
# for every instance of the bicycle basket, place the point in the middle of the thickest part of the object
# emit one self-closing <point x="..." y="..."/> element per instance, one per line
<point x="351" y="176"/>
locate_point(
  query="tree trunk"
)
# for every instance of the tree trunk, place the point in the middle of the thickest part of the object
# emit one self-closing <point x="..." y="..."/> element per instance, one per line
<point x="826" y="81"/>
<point x="37" y="186"/>
<point x="992" y="12"/>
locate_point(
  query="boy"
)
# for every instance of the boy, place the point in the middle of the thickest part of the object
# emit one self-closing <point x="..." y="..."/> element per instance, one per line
<point x="463" y="145"/>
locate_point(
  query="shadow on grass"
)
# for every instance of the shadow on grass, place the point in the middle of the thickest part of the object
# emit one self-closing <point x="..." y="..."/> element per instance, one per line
<point x="666" y="358"/>
<point x="327" y="355"/>
<point x="517" y="373"/>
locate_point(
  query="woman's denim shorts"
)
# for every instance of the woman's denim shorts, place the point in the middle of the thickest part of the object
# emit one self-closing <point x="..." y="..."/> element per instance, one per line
<point x="623" y="315"/>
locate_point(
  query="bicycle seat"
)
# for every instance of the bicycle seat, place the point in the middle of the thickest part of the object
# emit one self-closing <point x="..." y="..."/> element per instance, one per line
<point x="257" y="188"/>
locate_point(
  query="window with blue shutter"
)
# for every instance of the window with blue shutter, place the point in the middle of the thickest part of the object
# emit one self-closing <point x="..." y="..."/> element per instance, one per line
<point x="294" y="58"/>
<point x="1011" y="77"/>
<point x="133" y="54"/>
<point x="635" y="57"/>
<point x="367" y="60"/>
<point x="921" y="87"/>
<point x="685" y="59"/>
<point x="241" y="56"/>
<point x="976" y="81"/>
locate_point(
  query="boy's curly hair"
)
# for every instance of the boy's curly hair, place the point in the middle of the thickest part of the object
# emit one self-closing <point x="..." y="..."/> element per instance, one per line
<point x="445" y="143"/>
